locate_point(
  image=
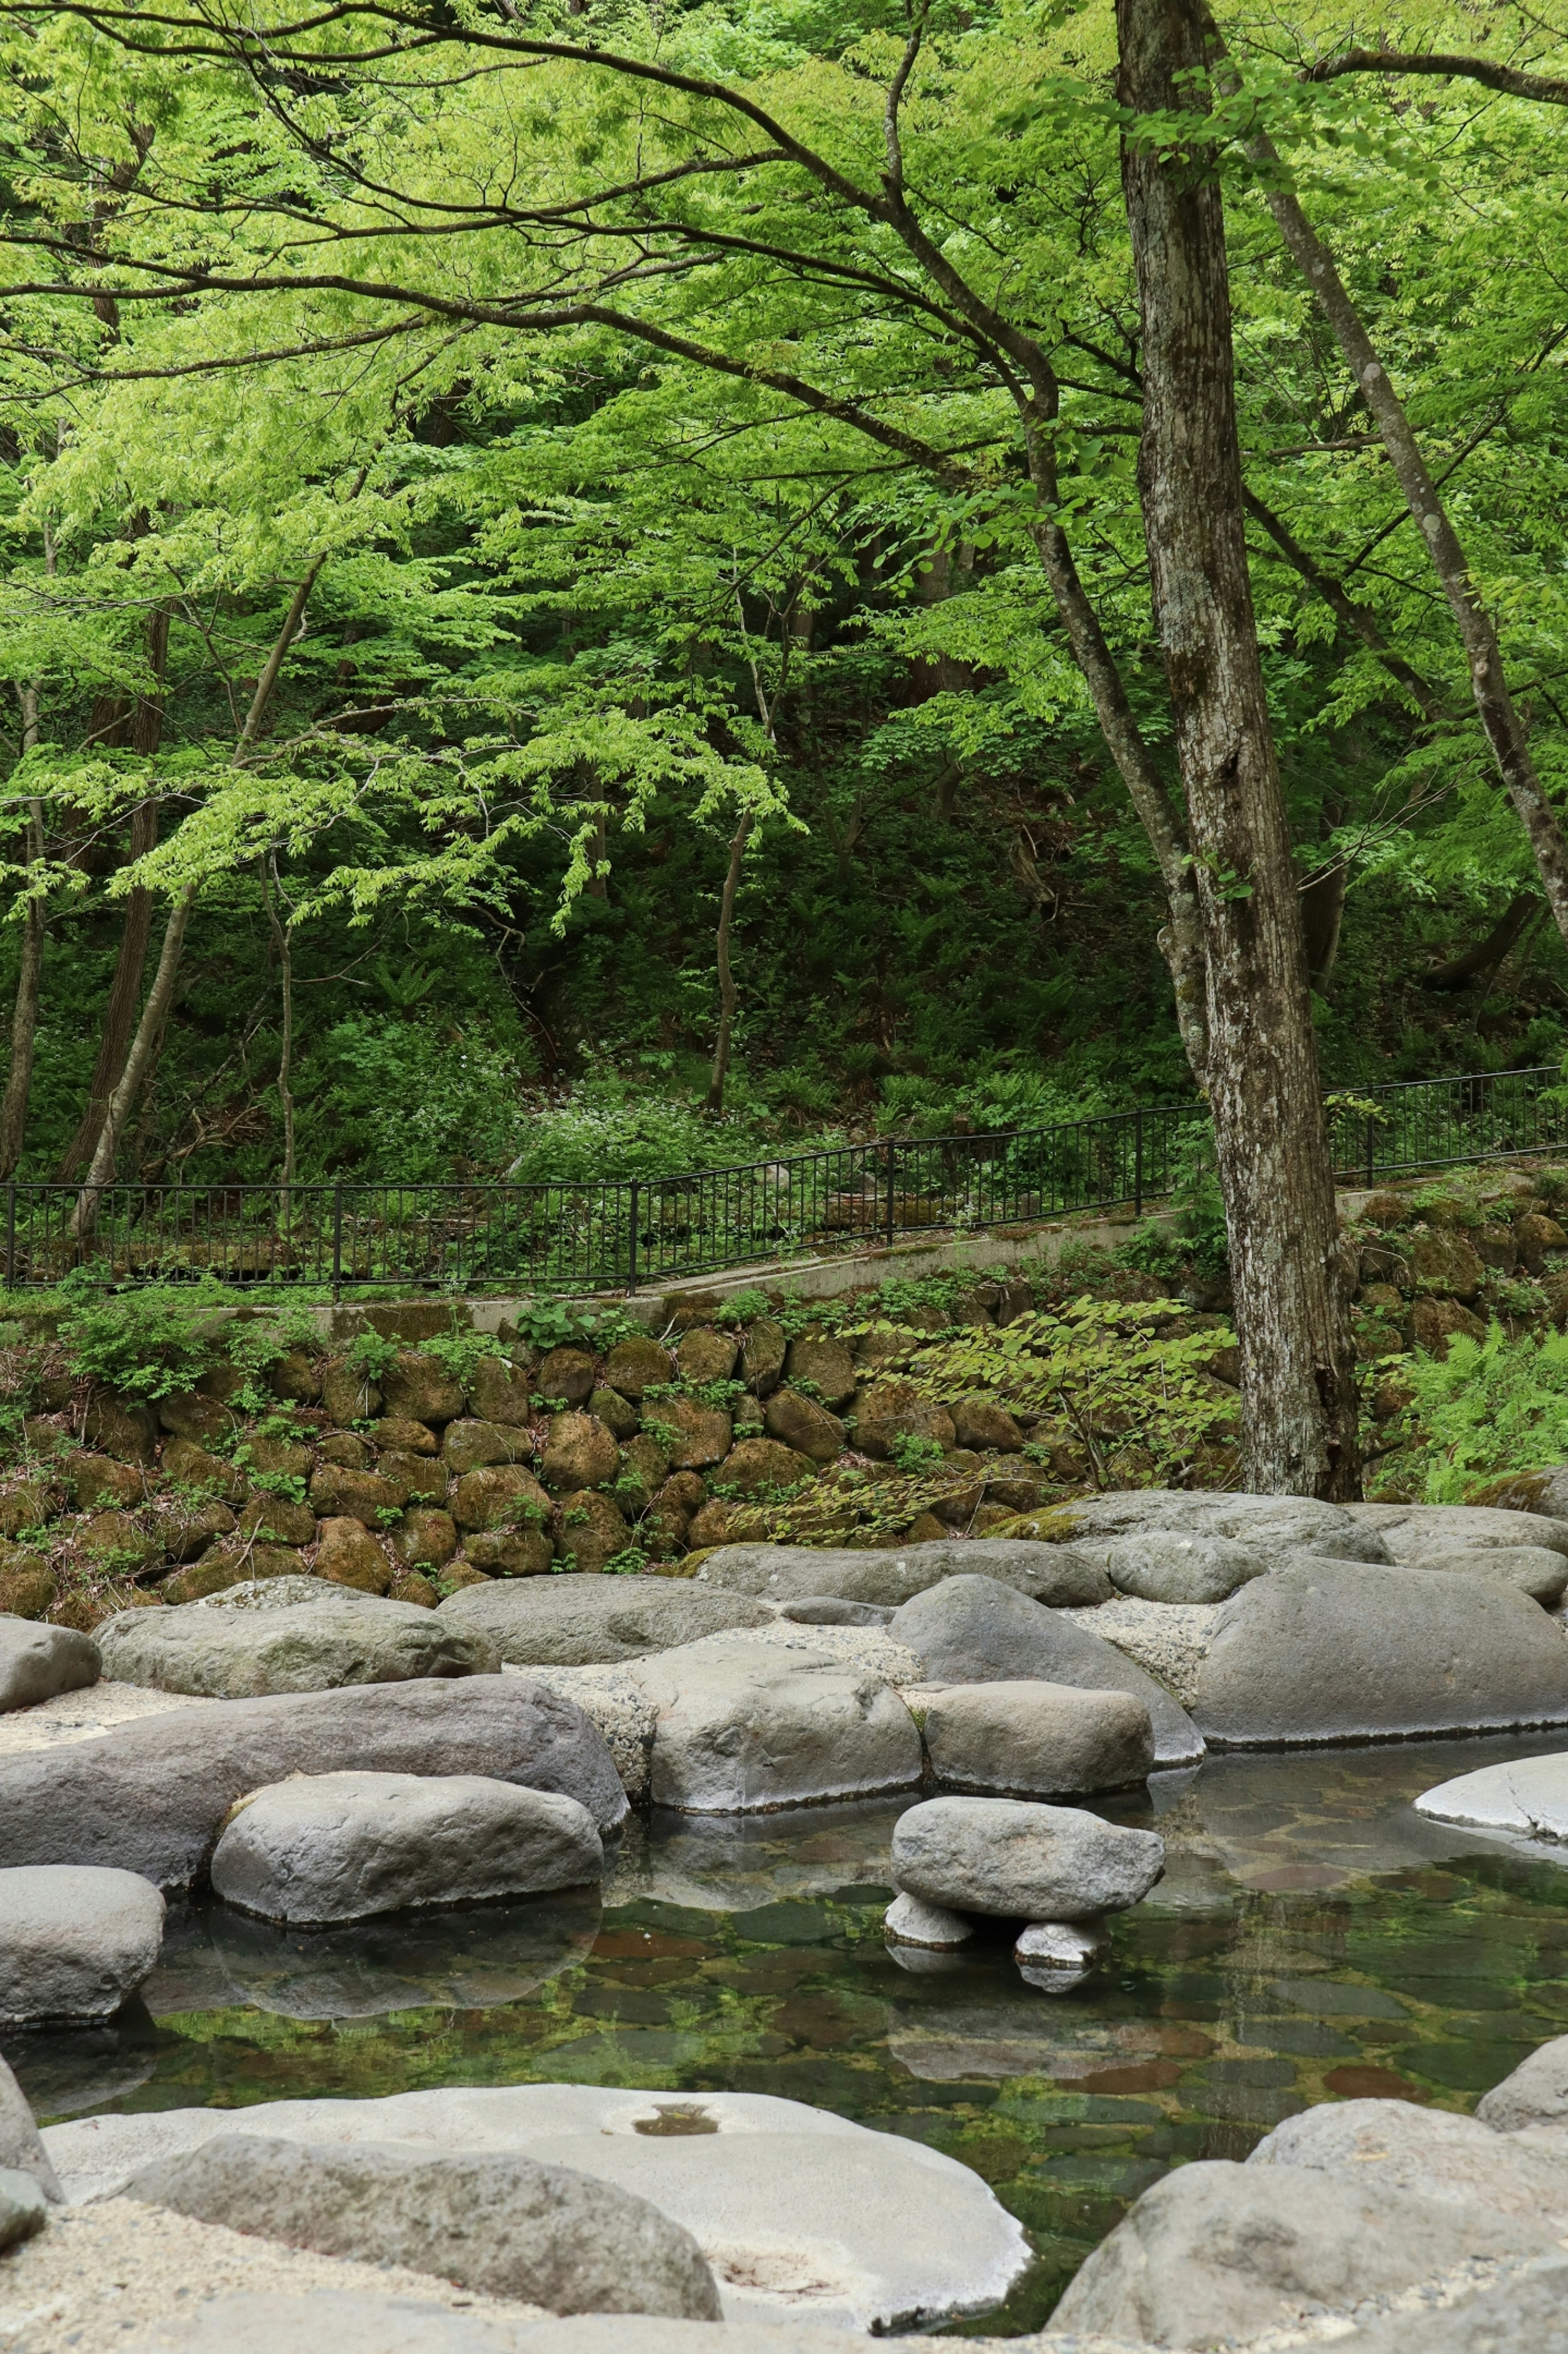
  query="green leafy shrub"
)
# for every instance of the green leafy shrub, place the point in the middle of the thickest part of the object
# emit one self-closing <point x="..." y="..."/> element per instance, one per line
<point x="146" y="1344"/>
<point x="913" y="1453"/>
<point x="458" y="1352"/>
<point x="1488" y="1407"/>
<point x="371" y="1354"/>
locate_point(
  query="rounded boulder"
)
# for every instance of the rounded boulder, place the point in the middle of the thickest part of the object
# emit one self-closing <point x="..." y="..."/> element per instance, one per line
<point x="1037" y="1739"/>
<point x="75" y="1941"/>
<point x="327" y="1848"/>
<point x="1022" y="1862"/>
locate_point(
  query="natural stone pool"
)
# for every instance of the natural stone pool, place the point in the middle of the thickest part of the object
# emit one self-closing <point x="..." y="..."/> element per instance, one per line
<point x="1313" y="1938"/>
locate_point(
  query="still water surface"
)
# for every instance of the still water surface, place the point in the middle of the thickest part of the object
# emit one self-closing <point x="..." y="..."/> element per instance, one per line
<point x="1313" y="1939"/>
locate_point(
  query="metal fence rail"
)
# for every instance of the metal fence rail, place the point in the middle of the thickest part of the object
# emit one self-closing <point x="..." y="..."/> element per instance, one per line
<point x="501" y="1237"/>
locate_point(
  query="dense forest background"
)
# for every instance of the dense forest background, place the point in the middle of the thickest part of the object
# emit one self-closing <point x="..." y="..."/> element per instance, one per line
<point x="574" y="612"/>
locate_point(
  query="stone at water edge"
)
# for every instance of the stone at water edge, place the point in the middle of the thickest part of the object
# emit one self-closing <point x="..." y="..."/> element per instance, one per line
<point x="1218" y="2252"/>
<point x="742" y="1726"/>
<point x="578" y="1621"/>
<point x="1329" y="1651"/>
<point x="909" y="1921"/>
<point x="505" y="2225"/>
<point x="1528" y="1798"/>
<point x="37" y="1661"/>
<point x="150" y="1797"/>
<point x="21" y="2145"/>
<point x="336" y="1637"/>
<point x="803" y="2215"/>
<point x="24" y="2209"/>
<point x="1001" y="1857"/>
<point x="75" y="1941"/>
<point x="327" y="1848"/>
<point x="1049" y="1951"/>
<point x="977" y="1631"/>
<point x="1536" y="2093"/>
<point x="1432" y="2152"/>
<point x="1037" y="1739"/>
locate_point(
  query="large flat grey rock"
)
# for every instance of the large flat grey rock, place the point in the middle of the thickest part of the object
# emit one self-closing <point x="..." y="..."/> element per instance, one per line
<point x="1536" y="1569"/>
<point x="741" y="1726"/>
<point x="507" y="2225"/>
<point x="330" y="1847"/>
<point x="1276" y="1527"/>
<point x="1021" y="1861"/>
<point x="252" y="2322"/>
<point x="801" y="2214"/>
<point x="1065" y="1576"/>
<point x="1218" y="2253"/>
<point x="1526" y="2312"/>
<point x="582" y="1621"/>
<point x="975" y="1631"/>
<point x="21" y="2147"/>
<point x="1528" y="1798"/>
<point x="37" y="1661"/>
<point x="1328" y="1652"/>
<point x="1431" y="2151"/>
<point x="75" y="1941"/>
<point x="1410" y="1532"/>
<point x="1536" y="2093"/>
<point x="341" y="1637"/>
<point x="1036" y="1740"/>
<point x="150" y="1796"/>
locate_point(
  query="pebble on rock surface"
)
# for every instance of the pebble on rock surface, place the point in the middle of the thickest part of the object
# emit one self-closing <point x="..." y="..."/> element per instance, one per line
<point x="1005" y="1858"/>
<point x="345" y="1847"/>
<point x="75" y="1941"/>
<point x="910" y="1921"/>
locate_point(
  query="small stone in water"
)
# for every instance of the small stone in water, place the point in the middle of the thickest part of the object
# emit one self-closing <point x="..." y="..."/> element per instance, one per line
<point x="1056" y="1955"/>
<point x="909" y="1921"/>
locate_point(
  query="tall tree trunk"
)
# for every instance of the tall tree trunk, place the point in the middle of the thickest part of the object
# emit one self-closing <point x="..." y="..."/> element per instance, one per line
<point x="24" y="1013"/>
<point x="144" y="728"/>
<point x="282" y="935"/>
<point x="1504" y="729"/>
<point x="725" y="977"/>
<point x="1292" y="1313"/>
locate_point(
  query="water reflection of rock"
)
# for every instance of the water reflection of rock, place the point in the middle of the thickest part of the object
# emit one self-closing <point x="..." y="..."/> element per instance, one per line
<point x="734" y="1863"/>
<point x="65" y="2070"/>
<point x="1303" y="1820"/>
<point x="216" y="1959"/>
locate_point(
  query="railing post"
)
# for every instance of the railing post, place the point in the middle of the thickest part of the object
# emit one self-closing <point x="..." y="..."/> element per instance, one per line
<point x="631" y="1242"/>
<point x="889" y="1151"/>
<point x="10" y="1234"/>
<point x="1138" y="1162"/>
<point x="1371" y="1146"/>
<point x="337" y="1238"/>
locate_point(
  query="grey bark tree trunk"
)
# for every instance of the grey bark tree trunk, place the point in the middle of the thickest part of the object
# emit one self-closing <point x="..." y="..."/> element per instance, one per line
<point x="29" y="980"/>
<point x="720" y="1074"/>
<point x="1298" y="1388"/>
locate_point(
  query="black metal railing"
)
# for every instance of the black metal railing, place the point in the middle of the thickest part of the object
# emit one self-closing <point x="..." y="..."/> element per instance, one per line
<point x="501" y="1237"/>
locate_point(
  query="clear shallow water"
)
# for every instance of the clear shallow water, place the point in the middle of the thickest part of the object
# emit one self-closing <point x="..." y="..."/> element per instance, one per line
<point x="1313" y="1939"/>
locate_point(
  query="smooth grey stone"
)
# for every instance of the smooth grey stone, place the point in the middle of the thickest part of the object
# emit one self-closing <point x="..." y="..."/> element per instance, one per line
<point x="742" y="1726"/>
<point x="1164" y="1565"/>
<point x="1331" y="1653"/>
<point x="975" y="1631"/>
<point x="1524" y="2313"/>
<point x="1218" y="2252"/>
<point x="803" y="2211"/>
<point x="1037" y="1739"/>
<point x="150" y="1796"/>
<point x="1411" y="1531"/>
<point x="833" y="1611"/>
<point x="1536" y="2093"/>
<point x="1066" y="1577"/>
<point x="37" y="1661"/>
<point x="507" y="2226"/>
<point x="262" y="2322"/>
<point x="574" y="1621"/>
<point x="1536" y="1569"/>
<point x="337" y="1638"/>
<point x="330" y="1848"/>
<point x="277" y="1594"/>
<point x="1431" y="2151"/>
<point x="75" y="1940"/>
<point x="24" y="2209"/>
<point x="1274" y="1526"/>
<point x="1022" y="1862"/>
<point x="1528" y="1798"/>
<point x="21" y="2146"/>
<point x="1068" y="1948"/>
<point x="910" y="1921"/>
